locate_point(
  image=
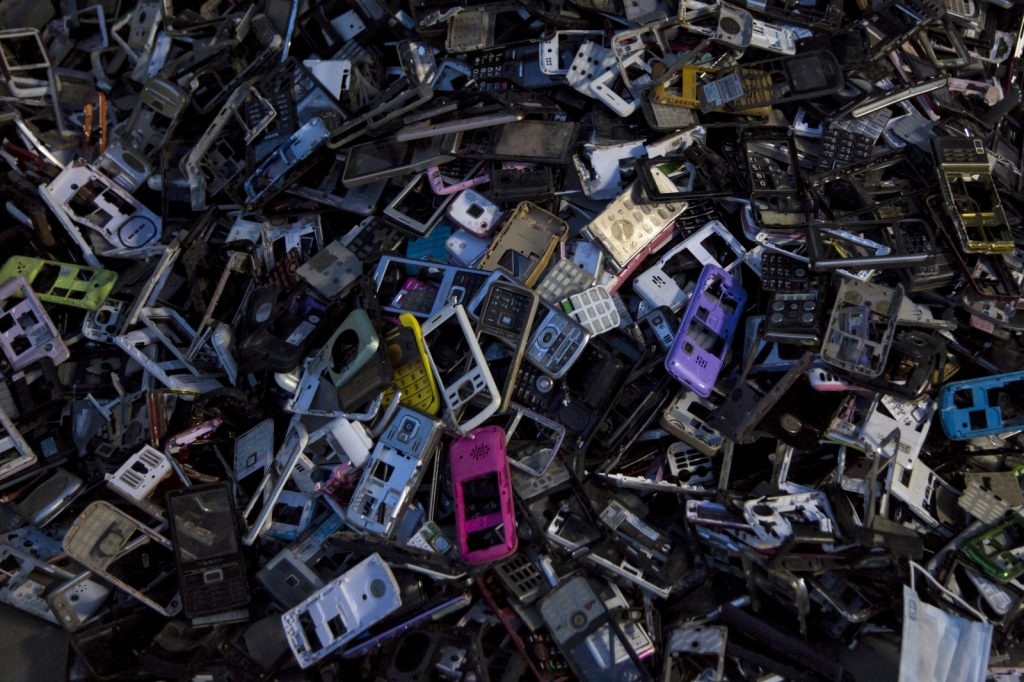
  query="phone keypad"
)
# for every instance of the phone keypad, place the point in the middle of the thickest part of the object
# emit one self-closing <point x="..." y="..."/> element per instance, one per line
<point x="556" y="341"/>
<point x="376" y="241"/>
<point x="487" y="70"/>
<point x="841" y="148"/>
<point x="793" y="318"/>
<point x="915" y="242"/>
<point x="959" y="151"/>
<point x="418" y="300"/>
<point x="697" y="215"/>
<point x="458" y="169"/>
<point x="766" y="174"/>
<point x="283" y="124"/>
<point x="564" y="280"/>
<point x="784" y="274"/>
<point x="534" y="389"/>
<point x="465" y="285"/>
<point x="215" y="589"/>
<point x="793" y="311"/>
<point x="594" y="309"/>
<point x="412" y="374"/>
<point x="506" y="311"/>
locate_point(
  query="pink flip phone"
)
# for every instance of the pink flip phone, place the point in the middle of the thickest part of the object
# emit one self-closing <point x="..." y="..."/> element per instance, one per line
<point x="484" y="514"/>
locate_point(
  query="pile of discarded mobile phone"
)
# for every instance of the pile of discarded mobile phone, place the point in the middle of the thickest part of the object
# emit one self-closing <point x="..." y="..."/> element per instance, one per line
<point x="609" y="340"/>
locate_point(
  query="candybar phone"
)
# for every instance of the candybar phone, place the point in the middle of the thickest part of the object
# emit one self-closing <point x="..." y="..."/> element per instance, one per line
<point x="211" y="570"/>
<point x="981" y="407"/>
<point x="507" y="314"/>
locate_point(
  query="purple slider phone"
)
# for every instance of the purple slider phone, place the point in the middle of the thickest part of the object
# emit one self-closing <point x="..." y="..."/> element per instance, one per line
<point x="703" y="339"/>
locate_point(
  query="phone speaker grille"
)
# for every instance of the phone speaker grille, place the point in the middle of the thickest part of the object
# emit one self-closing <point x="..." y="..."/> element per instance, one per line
<point x="131" y="479"/>
<point x="150" y="459"/>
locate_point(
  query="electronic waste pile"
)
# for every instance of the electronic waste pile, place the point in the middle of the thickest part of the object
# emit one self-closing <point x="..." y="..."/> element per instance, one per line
<point x="609" y="340"/>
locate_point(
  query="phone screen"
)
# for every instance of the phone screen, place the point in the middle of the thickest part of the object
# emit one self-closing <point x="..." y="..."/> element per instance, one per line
<point x="203" y="524"/>
<point x="534" y="140"/>
<point x="73" y="88"/>
<point x="376" y="157"/>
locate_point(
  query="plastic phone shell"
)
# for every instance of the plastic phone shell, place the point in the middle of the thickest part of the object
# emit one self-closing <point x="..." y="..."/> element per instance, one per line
<point x="680" y="420"/>
<point x="657" y="288"/>
<point x="475" y="214"/>
<point x="461" y="283"/>
<point x="273" y="483"/>
<point x="550" y="57"/>
<point x="512" y="327"/>
<point x="88" y="543"/>
<point x="63" y="283"/>
<point x="393" y="472"/>
<point x="28" y="333"/>
<point x="963" y="171"/>
<point x="631" y="222"/>
<point x="862" y="327"/>
<point x="272" y="175"/>
<point x="358" y="330"/>
<point x="51" y="497"/>
<point x="15" y="453"/>
<point x="967" y="409"/>
<point x="30" y="579"/>
<point x="332" y="270"/>
<point x="341" y="610"/>
<point x="413" y="375"/>
<point x="394" y="211"/>
<point x="526" y="243"/>
<point x="475" y="381"/>
<point x="473" y="458"/>
<point x="102" y="323"/>
<point x="464" y="249"/>
<point x="706" y="322"/>
<point x="139" y="476"/>
<point x="772" y="38"/>
<point x="104" y="207"/>
<point x="75" y="601"/>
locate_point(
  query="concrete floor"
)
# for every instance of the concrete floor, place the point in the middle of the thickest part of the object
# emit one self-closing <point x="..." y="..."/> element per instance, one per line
<point x="31" y="650"/>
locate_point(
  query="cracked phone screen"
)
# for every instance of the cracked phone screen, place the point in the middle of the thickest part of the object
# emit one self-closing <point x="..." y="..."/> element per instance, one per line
<point x="204" y="525"/>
